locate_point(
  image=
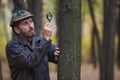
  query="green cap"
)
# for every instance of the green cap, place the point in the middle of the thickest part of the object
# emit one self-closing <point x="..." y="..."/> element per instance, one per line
<point x="19" y="15"/>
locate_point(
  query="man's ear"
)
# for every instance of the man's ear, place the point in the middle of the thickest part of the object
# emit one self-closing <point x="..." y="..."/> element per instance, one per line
<point x="17" y="30"/>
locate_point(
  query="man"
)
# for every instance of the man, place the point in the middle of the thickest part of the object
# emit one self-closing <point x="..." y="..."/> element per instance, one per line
<point x="27" y="54"/>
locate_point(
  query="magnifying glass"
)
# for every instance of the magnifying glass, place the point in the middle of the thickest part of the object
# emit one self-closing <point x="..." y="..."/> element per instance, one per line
<point x="49" y="17"/>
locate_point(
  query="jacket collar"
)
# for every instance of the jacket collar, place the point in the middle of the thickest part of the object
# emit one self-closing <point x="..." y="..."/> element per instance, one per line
<point x="22" y="42"/>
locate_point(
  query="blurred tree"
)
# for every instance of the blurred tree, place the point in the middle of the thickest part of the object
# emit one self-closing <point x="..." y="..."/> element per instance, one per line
<point x="4" y="18"/>
<point x="18" y="4"/>
<point x="69" y="23"/>
<point x="0" y="56"/>
<point x="118" y="32"/>
<point x="95" y="34"/>
<point x="107" y="56"/>
<point x="35" y="6"/>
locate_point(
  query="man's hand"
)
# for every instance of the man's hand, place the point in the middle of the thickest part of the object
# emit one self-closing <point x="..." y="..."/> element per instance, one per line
<point x="48" y="29"/>
<point x="56" y="53"/>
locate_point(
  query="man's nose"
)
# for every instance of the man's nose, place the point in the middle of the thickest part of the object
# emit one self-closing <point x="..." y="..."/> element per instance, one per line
<point x="31" y="25"/>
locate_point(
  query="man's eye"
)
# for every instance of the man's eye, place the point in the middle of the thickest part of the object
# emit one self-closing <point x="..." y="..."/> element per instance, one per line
<point x="25" y="23"/>
<point x="31" y="21"/>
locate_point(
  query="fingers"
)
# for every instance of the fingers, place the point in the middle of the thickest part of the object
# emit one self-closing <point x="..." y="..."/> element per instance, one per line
<point x="58" y="49"/>
<point x="49" y="26"/>
<point x="48" y="29"/>
<point x="56" y="55"/>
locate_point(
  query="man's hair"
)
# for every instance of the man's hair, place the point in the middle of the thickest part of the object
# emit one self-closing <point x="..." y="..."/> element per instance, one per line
<point x="15" y="24"/>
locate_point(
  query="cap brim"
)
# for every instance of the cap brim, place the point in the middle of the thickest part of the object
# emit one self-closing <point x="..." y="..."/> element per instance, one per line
<point x="21" y="18"/>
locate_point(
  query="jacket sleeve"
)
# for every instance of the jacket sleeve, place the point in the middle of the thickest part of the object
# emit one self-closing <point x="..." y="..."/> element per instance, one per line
<point x="24" y="58"/>
<point x="51" y="56"/>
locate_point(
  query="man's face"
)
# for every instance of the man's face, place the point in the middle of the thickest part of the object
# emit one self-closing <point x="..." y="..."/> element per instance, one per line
<point x="26" y="28"/>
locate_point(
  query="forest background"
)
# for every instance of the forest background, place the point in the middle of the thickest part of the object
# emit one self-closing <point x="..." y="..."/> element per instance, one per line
<point x="89" y="61"/>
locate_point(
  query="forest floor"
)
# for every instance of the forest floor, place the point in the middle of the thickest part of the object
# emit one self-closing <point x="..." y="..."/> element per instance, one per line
<point x="87" y="72"/>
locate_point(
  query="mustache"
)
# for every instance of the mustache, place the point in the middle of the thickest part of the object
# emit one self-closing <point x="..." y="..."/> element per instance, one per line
<point x="31" y="29"/>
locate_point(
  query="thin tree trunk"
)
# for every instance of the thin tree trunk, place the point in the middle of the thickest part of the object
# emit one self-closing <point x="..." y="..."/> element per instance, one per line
<point x="0" y="56"/>
<point x="35" y="6"/>
<point x="69" y="23"/>
<point x="118" y="32"/>
<point x="18" y="4"/>
<point x="93" y="53"/>
<point x="5" y="25"/>
<point x="110" y="17"/>
<point x="95" y="33"/>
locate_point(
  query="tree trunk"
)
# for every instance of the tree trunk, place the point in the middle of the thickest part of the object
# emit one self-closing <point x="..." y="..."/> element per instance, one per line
<point x="0" y="56"/>
<point x="35" y="6"/>
<point x="18" y="4"/>
<point x="93" y="52"/>
<point x="118" y="32"/>
<point x="69" y="23"/>
<point x="95" y="33"/>
<point x="107" y="61"/>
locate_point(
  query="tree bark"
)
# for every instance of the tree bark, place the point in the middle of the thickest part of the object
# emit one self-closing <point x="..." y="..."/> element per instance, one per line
<point x="18" y="4"/>
<point x="118" y="32"/>
<point x="69" y="23"/>
<point x="35" y="6"/>
<point x="95" y="33"/>
<point x="107" y="61"/>
<point x="0" y="56"/>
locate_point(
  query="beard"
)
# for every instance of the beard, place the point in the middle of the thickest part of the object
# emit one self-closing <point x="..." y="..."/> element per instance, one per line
<point x="28" y="34"/>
